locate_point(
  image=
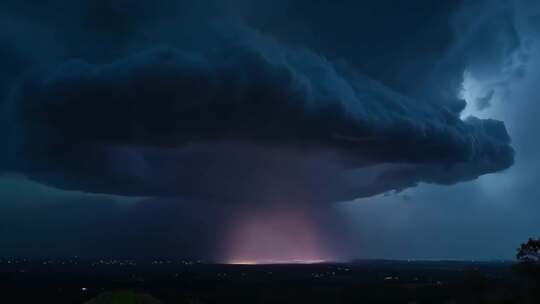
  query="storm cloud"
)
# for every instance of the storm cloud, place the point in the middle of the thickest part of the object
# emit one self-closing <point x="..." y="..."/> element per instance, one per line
<point x="124" y="127"/>
<point x="172" y="127"/>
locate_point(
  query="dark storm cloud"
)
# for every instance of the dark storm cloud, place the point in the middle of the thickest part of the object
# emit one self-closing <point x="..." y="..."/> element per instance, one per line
<point x="90" y="102"/>
<point x="246" y="89"/>
<point x="128" y="117"/>
<point x="395" y="42"/>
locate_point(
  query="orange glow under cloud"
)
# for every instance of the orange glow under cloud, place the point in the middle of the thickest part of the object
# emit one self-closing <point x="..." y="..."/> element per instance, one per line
<point x="268" y="262"/>
<point x="275" y="237"/>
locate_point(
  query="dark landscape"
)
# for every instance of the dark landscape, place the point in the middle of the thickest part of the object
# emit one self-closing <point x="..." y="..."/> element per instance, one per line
<point x="169" y="281"/>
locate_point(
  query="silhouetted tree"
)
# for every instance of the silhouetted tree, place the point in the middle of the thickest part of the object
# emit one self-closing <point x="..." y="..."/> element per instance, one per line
<point x="529" y="252"/>
<point x="528" y="268"/>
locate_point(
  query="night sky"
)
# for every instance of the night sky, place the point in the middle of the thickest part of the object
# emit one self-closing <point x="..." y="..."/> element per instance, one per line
<point x="269" y="131"/>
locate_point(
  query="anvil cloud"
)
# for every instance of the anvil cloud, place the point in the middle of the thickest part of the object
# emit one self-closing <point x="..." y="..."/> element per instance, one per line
<point x="100" y="127"/>
<point x="193" y="127"/>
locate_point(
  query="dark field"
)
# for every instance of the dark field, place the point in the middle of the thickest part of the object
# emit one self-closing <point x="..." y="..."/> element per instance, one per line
<point x="77" y="281"/>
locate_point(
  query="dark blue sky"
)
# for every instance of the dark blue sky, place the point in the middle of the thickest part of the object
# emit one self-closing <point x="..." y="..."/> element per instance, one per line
<point x="329" y="130"/>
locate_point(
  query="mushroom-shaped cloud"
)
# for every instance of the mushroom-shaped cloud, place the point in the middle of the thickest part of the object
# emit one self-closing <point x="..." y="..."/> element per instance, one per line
<point x="244" y="115"/>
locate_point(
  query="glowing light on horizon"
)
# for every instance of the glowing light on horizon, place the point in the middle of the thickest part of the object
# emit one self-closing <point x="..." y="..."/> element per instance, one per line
<point x="271" y="262"/>
<point x="275" y="237"/>
<point x="242" y="262"/>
